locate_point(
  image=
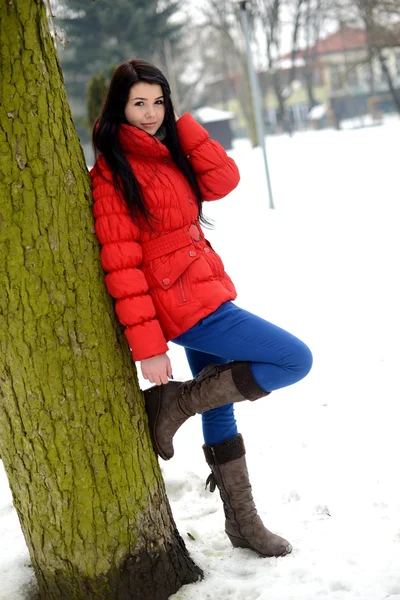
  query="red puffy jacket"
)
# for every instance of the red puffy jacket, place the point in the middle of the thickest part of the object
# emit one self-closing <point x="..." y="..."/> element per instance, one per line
<point x="164" y="280"/>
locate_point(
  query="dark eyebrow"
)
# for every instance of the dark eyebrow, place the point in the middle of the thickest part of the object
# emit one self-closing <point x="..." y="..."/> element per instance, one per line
<point x="138" y="98"/>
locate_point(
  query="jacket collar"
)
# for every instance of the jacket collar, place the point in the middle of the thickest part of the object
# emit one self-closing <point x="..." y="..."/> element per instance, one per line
<point x="137" y="142"/>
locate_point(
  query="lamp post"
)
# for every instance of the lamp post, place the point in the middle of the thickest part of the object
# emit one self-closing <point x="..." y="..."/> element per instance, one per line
<point x="255" y="93"/>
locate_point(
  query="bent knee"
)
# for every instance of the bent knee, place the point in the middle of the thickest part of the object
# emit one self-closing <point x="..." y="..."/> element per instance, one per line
<point x="303" y="360"/>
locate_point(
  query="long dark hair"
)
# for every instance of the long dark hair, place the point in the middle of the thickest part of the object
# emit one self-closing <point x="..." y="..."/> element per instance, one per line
<point x="106" y="140"/>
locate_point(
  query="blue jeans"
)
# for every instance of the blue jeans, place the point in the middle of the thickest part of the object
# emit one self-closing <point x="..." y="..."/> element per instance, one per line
<point x="278" y="358"/>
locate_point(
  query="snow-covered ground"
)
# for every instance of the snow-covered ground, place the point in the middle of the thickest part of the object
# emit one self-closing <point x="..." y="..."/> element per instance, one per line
<point x="322" y="454"/>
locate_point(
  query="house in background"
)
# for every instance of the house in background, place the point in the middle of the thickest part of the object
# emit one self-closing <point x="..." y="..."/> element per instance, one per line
<point x="354" y="86"/>
<point x="335" y="72"/>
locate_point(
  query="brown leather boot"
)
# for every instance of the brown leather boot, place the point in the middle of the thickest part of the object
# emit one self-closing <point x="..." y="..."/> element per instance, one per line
<point x="243" y="525"/>
<point x="168" y="406"/>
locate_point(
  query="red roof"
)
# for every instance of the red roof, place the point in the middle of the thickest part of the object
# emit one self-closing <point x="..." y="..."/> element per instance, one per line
<point x="347" y="38"/>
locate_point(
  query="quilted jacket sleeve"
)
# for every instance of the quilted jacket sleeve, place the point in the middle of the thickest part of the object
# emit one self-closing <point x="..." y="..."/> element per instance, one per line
<point x="217" y="173"/>
<point x="120" y="257"/>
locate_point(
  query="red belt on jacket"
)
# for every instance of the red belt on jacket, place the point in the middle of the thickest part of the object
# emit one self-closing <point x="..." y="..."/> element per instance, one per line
<point x="169" y="242"/>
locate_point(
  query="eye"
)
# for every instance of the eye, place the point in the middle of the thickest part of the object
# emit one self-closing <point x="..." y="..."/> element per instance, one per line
<point x="159" y="101"/>
<point x="139" y="103"/>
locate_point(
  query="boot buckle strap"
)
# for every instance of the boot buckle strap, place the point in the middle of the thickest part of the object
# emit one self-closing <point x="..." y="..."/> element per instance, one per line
<point x="212" y="482"/>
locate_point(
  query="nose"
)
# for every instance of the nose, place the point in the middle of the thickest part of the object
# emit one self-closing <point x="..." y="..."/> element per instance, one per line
<point x="150" y="112"/>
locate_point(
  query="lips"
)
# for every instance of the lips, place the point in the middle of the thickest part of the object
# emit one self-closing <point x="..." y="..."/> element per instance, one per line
<point x="149" y="124"/>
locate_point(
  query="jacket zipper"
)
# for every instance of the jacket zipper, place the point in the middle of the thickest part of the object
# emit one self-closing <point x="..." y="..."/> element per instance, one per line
<point x="183" y="295"/>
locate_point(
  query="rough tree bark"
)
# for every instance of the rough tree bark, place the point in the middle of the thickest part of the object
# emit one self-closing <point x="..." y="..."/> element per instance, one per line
<point x="86" y="484"/>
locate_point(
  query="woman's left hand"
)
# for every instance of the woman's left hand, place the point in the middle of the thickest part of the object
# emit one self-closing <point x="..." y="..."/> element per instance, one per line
<point x="157" y="369"/>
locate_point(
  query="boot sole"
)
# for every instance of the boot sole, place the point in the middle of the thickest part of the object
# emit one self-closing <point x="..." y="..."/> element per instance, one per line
<point x="153" y="404"/>
<point x="241" y="543"/>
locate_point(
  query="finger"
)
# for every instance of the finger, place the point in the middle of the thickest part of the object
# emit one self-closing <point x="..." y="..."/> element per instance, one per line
<point x="169" y="371"/>
<point x="164" y="378"/>
<point x="157" y="380"/>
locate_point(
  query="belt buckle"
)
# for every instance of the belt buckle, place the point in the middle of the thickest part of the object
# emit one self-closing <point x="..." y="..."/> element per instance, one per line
<point x="194" y="232"/>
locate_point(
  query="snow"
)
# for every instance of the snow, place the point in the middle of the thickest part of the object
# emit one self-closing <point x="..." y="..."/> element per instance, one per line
<point x="317" y="112"/>
<point x="208" y="114"/>
<point x="323" y="454"/>
<point x="288" y="63"/>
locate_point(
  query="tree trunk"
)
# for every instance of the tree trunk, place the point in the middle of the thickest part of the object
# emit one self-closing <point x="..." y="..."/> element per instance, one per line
<point x="243" y="91"/>
<point x="283" y="118"/>
<point x="394" y="92"/>
<point x="271" y="23"/>
<point x="295" y="41"/>
<point x="310" y="56"/>
<point x="310" y="89"/>
<point x="73" y="438"/>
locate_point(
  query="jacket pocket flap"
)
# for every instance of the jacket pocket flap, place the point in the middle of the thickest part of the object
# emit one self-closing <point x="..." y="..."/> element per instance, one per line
<point x="173" y="266"/>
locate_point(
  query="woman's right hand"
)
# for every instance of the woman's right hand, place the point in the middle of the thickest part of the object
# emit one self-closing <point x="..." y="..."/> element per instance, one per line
<point x="157" y="369"/>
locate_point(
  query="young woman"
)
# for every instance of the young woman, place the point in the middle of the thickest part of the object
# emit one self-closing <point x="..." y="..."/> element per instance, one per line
<point x="153" y="171"/>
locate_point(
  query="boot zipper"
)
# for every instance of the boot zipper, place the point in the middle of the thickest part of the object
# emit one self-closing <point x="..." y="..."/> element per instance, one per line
<point x="216" y="466"/>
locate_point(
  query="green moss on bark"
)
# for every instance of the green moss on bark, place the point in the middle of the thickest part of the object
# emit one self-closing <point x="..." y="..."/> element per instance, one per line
<point x="73" y="439"/>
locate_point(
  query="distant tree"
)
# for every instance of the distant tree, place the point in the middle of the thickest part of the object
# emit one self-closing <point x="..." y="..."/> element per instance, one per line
<point x="100" y="33"/>
<point x="315" y="17"/>
<point x="96" y="93"/>
<point x="227" y="53"/>
<point x="381" y="20"/>
<point x="104" y="33"/>
<point x="269" y="15"/>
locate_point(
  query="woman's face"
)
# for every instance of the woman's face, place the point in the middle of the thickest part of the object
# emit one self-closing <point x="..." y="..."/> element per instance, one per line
<point x="145" y="107"/>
